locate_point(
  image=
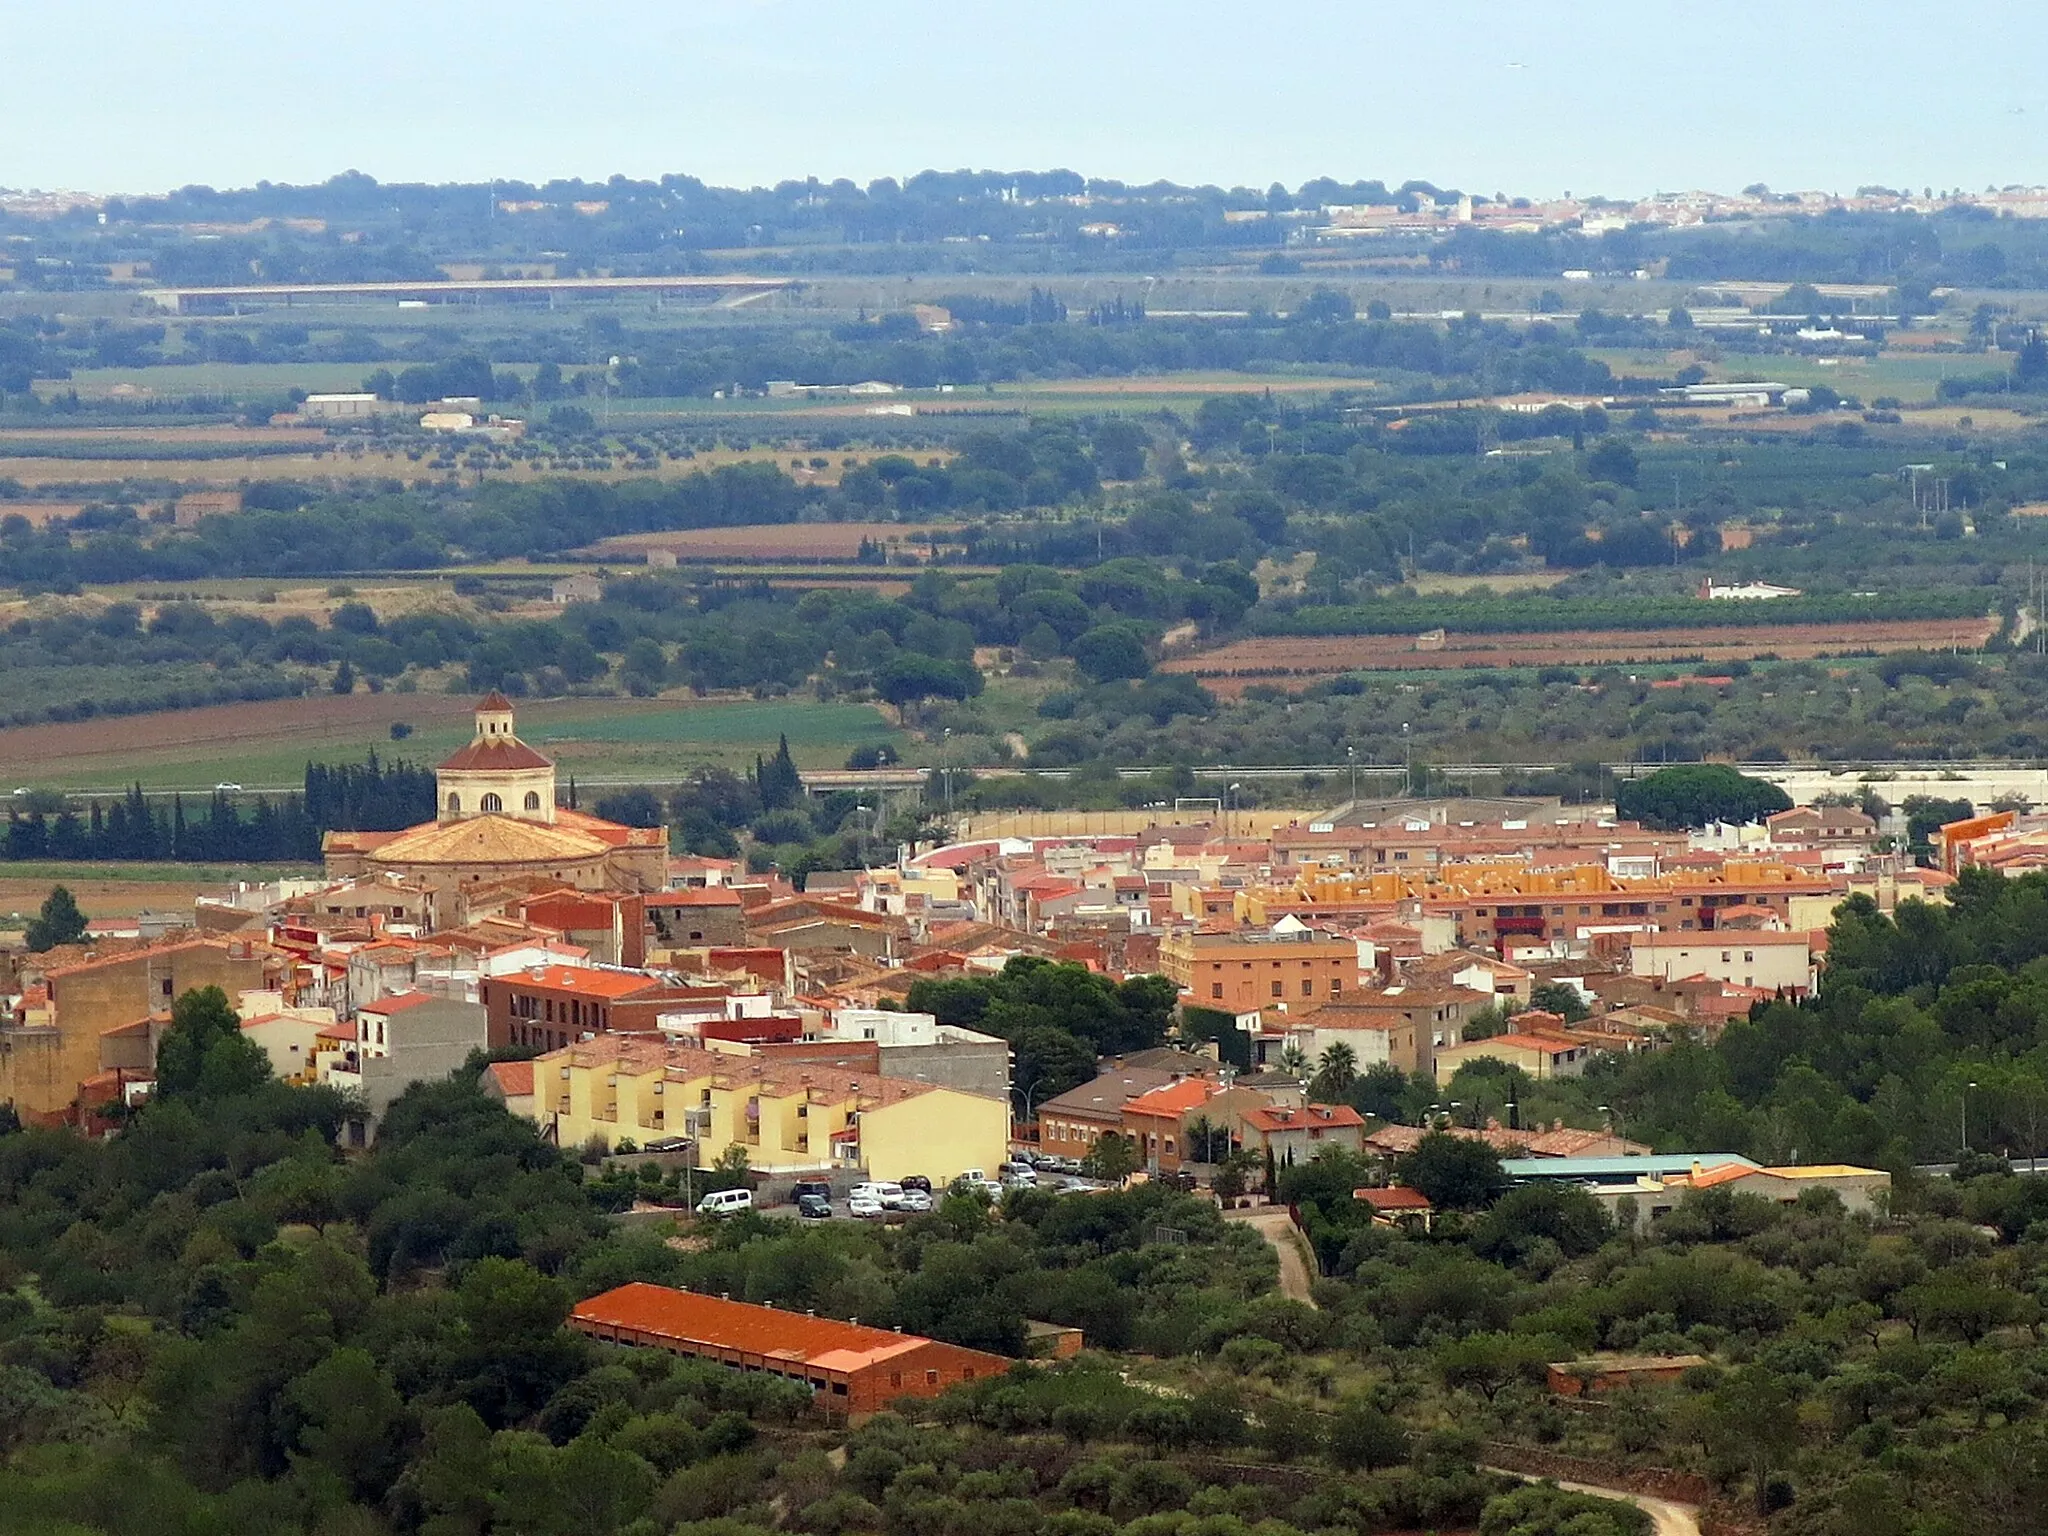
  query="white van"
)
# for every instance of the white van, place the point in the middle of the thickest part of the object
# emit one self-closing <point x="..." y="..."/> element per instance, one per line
<point x="726" y="1202"/>
<point x="885" y="1191"/>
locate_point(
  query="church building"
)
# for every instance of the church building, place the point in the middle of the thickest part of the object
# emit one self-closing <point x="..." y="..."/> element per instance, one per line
<point x="496" y="821"/>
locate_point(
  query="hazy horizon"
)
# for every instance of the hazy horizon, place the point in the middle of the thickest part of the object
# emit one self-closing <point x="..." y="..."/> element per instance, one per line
<point x="1486" y="97"/>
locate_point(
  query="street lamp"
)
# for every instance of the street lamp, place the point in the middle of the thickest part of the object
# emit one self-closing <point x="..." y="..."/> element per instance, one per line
<point x="946" y="772"/>
<point x="1966" y="1117"/>
<point x="1228" y="824"/>
<point x="1407" y="762"/>
<point x="1351" y="753"/>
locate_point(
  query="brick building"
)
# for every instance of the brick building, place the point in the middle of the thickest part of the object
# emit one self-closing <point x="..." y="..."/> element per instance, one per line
<point x="1240" y="972"/>
<point x="550" y="1006"/>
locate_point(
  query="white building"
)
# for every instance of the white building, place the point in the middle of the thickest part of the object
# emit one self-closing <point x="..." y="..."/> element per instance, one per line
<point x="337" y="407"/>
<point x="1771" y="961"/>
<point x="1745" y="591"/>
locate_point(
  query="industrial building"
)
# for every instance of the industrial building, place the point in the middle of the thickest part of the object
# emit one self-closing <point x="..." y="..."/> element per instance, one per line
<point x="852" y="1369"/>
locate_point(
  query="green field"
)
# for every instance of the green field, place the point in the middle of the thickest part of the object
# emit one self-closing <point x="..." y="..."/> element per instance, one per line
<point x="1910" y="377"/>
<point x="591" y="739"/>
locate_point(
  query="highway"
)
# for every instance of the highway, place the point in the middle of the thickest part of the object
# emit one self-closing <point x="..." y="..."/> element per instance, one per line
<point x="1980" y="781"/>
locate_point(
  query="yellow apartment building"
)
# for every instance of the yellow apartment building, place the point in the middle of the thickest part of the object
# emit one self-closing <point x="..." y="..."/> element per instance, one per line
<point x="789" y="1117"/>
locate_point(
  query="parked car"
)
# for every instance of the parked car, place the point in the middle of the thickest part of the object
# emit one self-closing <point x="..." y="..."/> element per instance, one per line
<point x="668" y="1144"/>
<point x="1018" y="1173"/>
<point x="914" y="1200"/>
<point x="822" y="1188"/>
<point x="916" y="1181"/>
<point x="726" y="1202"/>
<point x="863" y="1204"/>
<point x="814" y="1206"/>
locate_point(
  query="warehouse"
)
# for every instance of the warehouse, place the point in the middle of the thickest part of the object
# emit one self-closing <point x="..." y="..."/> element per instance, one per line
<point x="853" y="1369"/>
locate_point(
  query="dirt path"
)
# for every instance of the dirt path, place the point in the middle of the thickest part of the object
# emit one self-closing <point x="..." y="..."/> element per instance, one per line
<point x="1668" y="1517"/>
<point x="1296" y="1276"/>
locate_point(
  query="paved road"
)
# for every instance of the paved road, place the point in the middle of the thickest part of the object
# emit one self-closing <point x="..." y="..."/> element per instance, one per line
<point x="1668" y="1517"/>
<point x="1271" y="1223"/>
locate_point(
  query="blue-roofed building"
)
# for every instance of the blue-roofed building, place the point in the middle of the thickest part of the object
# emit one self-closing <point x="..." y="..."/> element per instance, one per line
<point x="1614" y="1170"/>
<point x="1655" y="1186"/>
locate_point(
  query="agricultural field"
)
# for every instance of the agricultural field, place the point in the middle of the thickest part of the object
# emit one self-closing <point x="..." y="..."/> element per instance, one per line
<point x="266" y="745"/>
<point x="1294" y="662"/>
<point x="49" y="461"/>
<point x="118" y="892"/>
<point x="775" y="542"/>
<point x="1912" y="378"/>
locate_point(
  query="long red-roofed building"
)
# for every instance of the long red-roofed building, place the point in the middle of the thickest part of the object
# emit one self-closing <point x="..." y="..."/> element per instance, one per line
<point x="853" y="1369"/>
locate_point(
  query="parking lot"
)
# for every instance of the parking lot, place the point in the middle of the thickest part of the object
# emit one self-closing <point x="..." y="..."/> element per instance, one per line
<point x="1052" y="1182"/>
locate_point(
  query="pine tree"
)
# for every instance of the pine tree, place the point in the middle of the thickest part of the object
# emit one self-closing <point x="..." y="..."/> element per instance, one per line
<point x="59" y="921"/>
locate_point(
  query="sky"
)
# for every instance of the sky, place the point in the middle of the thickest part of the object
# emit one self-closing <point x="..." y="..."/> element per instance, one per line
<point x="1527" y="97"/>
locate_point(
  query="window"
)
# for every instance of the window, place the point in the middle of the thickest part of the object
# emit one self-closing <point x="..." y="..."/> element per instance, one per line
<point x="1308" y="989"/>
<point x="533" y="800"/>
<point x="895" y="1378"/>
<point x="1724" y="957"/>
<point x="931" y="1378"/>
<point x="492" y="805"/>
<point x="1216" y="989"/>
<point x="1278" y="988"/>
<point x="455" y="805"/>
<point x="1749" y="957"/>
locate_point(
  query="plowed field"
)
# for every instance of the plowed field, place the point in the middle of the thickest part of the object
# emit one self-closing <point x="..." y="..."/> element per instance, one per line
<point x="772" y="541"/>
<point x="1296" y="661"/>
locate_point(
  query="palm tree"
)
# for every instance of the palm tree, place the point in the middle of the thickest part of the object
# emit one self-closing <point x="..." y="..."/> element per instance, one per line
<point x="1337" y="1070"/>
<point x="1294" y="1061"/>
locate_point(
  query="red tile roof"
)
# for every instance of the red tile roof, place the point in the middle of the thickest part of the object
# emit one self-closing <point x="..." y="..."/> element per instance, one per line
<point x="1393" y="1199"/>
<point x="399" y="1002"/>
<point x="495" y="754"/>
<point x="514" y="1078"/>
<point x="585" y="981"/>
<point x="1174" y="1100"/>
<point x="1313" y="1117"/>
<point x="737" y="1325"/>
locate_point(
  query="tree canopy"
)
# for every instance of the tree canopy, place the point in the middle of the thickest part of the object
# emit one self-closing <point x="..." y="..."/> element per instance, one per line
<point x="1693" y="794"/>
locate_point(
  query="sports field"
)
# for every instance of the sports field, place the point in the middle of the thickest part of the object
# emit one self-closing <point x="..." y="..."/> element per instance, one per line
<point x="267" y="745"/>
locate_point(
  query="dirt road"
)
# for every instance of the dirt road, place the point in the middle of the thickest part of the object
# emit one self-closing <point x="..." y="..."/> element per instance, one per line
<point x="1296" y="1274"/>
<point x="1668" y="1517"/>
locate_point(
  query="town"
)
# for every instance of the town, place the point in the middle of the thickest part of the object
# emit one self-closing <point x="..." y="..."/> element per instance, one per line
<point x="793" y="770"/>
<point x="685" y="1007"/>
